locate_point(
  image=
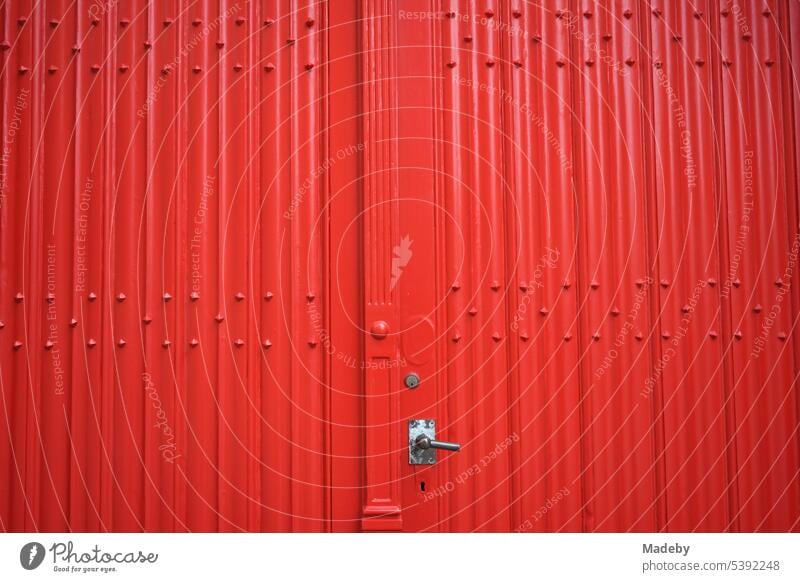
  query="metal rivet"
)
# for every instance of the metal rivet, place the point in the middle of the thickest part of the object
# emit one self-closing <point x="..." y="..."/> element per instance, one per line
<point x="147" y="320"/>
<point x="737" y="283"/>
<point x="91" y="343"/>
<point x="17" y="345"/>
<point x="121" y="297"/>
<point x="665" y="283"/>
<point x="194" y="343"/>
<point x="220" y="44"/>
<point x="239" y="296"/>
<point x="167" y="22"/>
<point x="781" y="336"/>
<point x="124" y="22"/>
<point x="516" y="13"/>
<point x="757" y="308"/>
<point x="194" y="295"/>
<point x="536" y="38"/>
<point x="567" y="337"/>
<point x="166" y="297"/>
<point x="53" y="23"/>
<point x="544" y="311"/>
<point x="312" y="343"/>
<point x="629" y="61"/>
<point x="666" y="335"/>
<point x="50" y="297"/>
<point x="496" y="336"/>
<point x="166" y="343"/>
<point x="614" y="311"/>
<point x="91" y="296"/>
<point x="309" y="22"/>
<point x="473" y="311"/>
<point x="712" y="334"/>
<point x="240" y="21"/>
<point x="711" y="282"/>
<point x="51" y="69"/>
<point x="196" y="22"/>
<point x="738" y="335"/>
<point x="566" y="285"/>
<point x="639" y="336"/>
<point x="73" y="322"/>
<point x="238" y="342"/>
<point x="451" y="64"/>
<point x="699" y="62"/>
<point x="468" y="38"/>
<point x="267" y="344"/>
<point x="628" y="13"/>
<point x="196" y="69"/>
<point x="290" y="41"/>
<point x="495" y="285"/>
<point x="596" y="336"/>
<point x="147" y="44"/>
<point x="121" y="343"/>
<point x="686" y="309"/>
<point x="455" y="286"/>
<point x="218" y="318"/>
<point x="490" y="63"/>
<point x="268" y="296"/>
<point x="310" y="297"/>
<point x="594" y="285"/>
<point x="698" y="14"/>
<point x="523" y="336"/>
<point x="269" y="67"/>
<point x="560" y="63"/>
<point x="22" y="70"/>
<point x="238" y="67"/>
<point x="48" y="345"/>
<point x="269" y="22"/>
<point x="456" y="337"/>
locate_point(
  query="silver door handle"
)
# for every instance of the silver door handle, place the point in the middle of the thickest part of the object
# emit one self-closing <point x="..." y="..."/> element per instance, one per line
<point x="425" y="442"/>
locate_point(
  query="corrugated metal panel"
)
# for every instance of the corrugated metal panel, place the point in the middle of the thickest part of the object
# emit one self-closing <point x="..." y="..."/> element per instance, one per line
<point x="577" y="222"/>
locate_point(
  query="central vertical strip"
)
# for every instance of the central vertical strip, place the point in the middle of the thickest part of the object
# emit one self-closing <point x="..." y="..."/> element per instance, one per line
<point x="381" y="433"/>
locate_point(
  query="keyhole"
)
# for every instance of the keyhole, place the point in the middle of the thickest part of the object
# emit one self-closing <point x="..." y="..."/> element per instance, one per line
<point x="422" y="485"/>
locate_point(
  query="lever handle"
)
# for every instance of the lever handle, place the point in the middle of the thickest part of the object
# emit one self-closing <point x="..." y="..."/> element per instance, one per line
<point x="426" y="442"/>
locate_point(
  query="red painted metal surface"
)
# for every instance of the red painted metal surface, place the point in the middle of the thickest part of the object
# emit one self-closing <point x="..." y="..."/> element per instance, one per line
<point x="229" y="230"/>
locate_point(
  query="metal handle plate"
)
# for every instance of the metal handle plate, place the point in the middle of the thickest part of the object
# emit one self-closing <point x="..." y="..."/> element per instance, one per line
<point x="422" y="443"/>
